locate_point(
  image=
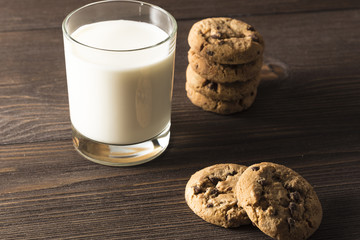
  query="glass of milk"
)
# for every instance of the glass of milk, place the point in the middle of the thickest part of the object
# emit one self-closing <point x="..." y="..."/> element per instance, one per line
<point x="119" y="59"/>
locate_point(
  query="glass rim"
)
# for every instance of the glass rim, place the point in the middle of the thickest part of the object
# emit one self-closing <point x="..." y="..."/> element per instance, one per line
<point x="170" y="36"/>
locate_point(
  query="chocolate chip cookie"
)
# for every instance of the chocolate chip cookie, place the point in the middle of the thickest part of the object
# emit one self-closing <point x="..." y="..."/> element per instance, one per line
<point x="279" y="201"/>
<point x="221" y="91"/>
<point x="223" y="73"/>
<point x="226" y="40"/>
<point x="210" y="194"/>
<point x="220" y="106"/>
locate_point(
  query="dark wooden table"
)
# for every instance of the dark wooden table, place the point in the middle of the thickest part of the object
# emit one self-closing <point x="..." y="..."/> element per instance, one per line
<point x="309" y="121"/>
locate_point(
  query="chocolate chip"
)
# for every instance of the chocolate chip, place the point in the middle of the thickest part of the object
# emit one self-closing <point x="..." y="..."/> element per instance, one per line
<point x="217" y="35"/>
<point x="214" y="180"/>
<point x="261" y="181"/>
<point x="292" y="207"/>
<point x="291" y="222"/>
<point x="213" y="86"/>
<point x="209" y="205"/>
<point x="210" y="53"/>
<point x="254" y="38"/>
<point x="206" y="83"/>
<point x="295" y="196"/>
<point x="232" y="173"/>
<point x="214" y="192"/>
<point x="255" y="168"/>
<point x="229" y="189"/>
<point x="276" y="178"/>
<point x="197" y="190"/>
<point x="264" y="204"/>
<point x="275" y="213"/>
<point x="309" y="223"/>
<point x="222" y="42"/>
<point x="289" y="187"/>
<point x="250" y="28"/>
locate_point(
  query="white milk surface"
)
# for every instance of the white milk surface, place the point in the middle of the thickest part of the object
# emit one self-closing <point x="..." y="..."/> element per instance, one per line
<point x="119" y="97"/>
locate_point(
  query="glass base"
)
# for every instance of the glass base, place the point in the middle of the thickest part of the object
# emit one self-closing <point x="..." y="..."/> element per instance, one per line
<point x="121" y="155"/>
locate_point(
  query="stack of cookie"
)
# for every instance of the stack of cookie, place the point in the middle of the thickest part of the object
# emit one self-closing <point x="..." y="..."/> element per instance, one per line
<point x="225" y="60"/>
<point x="275" y="198"/>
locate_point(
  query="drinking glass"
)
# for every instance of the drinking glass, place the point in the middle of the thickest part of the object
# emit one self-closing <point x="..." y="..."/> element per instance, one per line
<point x="120" y="91"/>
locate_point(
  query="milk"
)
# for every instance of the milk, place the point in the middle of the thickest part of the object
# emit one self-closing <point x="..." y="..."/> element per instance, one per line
<point x="122" y="96"/>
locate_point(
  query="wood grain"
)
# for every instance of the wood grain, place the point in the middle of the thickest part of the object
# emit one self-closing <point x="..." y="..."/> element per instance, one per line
<point x="18" y="15"/>
<point x="33" y="82"/>
<point x="33" y="87"/>
<point x="65" y="196"/>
